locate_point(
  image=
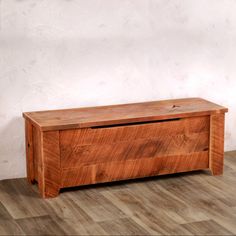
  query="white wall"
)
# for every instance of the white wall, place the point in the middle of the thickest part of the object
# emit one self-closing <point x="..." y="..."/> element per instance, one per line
<point x="72" y="53"/>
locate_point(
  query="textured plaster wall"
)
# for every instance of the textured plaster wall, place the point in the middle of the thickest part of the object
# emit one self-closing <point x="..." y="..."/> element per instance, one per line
<point x="72" y="53"/>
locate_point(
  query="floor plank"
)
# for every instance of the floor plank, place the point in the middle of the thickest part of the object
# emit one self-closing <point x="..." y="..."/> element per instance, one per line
<point x="20" y="199"/>
<point x="124" y="226"/>
<point x="42" y="225"/>
<point x="4" y="214"/>
<point x="10" y="227"/>
<point x="208" y="227"/>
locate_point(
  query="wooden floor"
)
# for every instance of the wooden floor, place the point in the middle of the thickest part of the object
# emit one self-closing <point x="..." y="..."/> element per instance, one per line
<point x="182" y="204"/>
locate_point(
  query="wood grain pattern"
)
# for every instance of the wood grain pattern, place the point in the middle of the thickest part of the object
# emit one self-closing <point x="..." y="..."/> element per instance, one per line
<point x="147" y="148"/>
<point x="12" y="193"/>
<point x="120" y="114"/>
<point x="206" y="227"/>
<point x="49" y="169"/>
<point x="38" y="146"/>
<point x="36" y="153"/>
<point x="92" y="146"/>
<point x="10" y="227"/>
<point x="143" y="167"/>
<point x="128" y="132"/>
<point x="42" y="225"/>
<point x="29" y="151"/>
<point x="216" y="158"/>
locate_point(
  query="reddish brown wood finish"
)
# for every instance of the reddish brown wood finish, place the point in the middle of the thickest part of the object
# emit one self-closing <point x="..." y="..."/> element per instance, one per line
<point x="217" y="144"/>
<point x="129" y="169"/>
<point x="113" y="146"/>
<point x="36" y="151"/>
<point x="29" y="151"/>
<point x="120" y="114"/>
<point x="50" y="164"/>
<point x="93" y="146"/>
<point x="45" y="162"/>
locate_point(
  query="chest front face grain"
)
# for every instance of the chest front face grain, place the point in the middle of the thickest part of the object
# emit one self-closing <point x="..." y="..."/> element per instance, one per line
<point x="129" y="142"/>
<point x="181" y="139"/>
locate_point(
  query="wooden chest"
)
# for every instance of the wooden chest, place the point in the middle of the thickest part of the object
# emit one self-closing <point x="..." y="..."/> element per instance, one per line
<point x="83" y="146"/>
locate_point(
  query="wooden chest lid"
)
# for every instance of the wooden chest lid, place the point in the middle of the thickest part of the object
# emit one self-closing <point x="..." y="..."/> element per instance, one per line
<point x="122" y="114"/>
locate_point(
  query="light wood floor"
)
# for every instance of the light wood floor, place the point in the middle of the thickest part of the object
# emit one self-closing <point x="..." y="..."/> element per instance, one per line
<point x="183" y="204"/>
